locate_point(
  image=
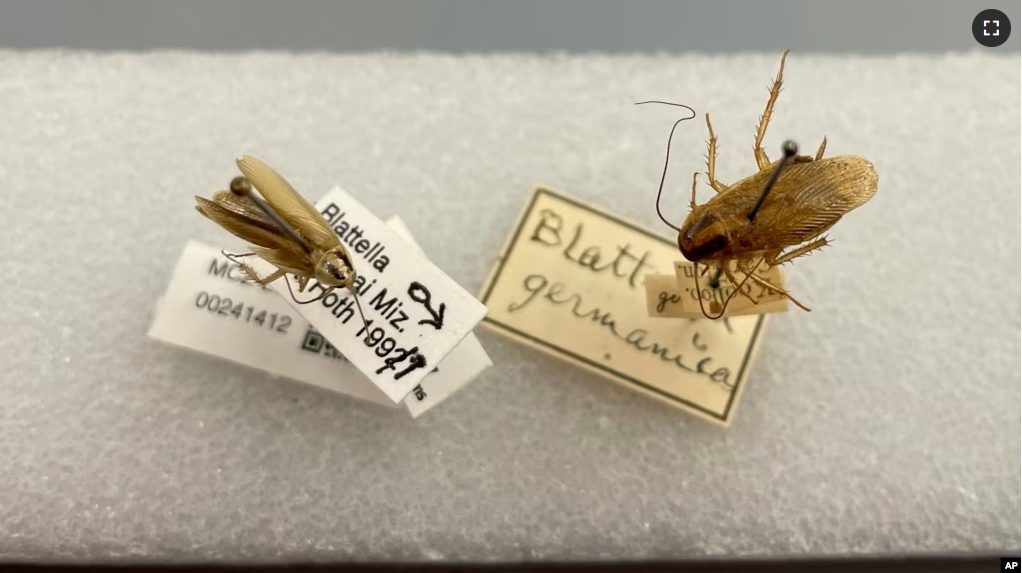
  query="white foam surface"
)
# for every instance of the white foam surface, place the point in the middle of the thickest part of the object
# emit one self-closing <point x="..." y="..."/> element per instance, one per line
<point x="885" y="421"/>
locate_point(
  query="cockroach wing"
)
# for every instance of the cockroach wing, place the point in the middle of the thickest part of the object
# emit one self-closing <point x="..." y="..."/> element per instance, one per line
<point x="246" y="208"/>
<point x="291" y="206"/>
<point x="287" y="261"/>
<point x="247" y="228"/>
<point x="809" y="198"/>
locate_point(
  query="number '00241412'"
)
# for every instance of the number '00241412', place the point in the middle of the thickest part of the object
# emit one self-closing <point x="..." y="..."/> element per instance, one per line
<point x="224" y="306"/>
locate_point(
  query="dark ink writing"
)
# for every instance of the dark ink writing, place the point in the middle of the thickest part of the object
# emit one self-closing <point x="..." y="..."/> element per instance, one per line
<point x="415" y="361"/>
<point x="352" y="235"/>
<point x="420" y="294"/>
<point x="548" y="233"/>
<point x="663" y="299"/>
<point x="383" y="346"/>
<point x="419" y="393"/>
<point x="538" y="286"/>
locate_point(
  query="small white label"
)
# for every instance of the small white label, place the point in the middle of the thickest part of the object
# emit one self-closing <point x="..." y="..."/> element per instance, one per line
<point x="416" y="313"/>
<point x="461" y="366"/>
<point x="209" y="308"/>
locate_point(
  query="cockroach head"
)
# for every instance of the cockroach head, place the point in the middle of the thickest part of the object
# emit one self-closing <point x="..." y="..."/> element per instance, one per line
<point x="703" y="236"/>
<point x="334" y="269"/>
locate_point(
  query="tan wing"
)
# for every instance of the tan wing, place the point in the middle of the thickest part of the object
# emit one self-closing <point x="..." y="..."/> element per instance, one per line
<point x="249" y="229"/>
<point x="291" y="206"/>
<point x="287" y="261"/>
<point x="246" y="208"/>
<point x="808" y="199"/>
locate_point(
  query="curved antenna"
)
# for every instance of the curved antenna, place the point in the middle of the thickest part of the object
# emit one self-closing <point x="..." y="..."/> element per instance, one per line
<point x="668" y="103"/>
<point x="667" y="158"/>
<point x="320" y="297"/>
<point x="354" y="295"/>
<point x="738" y="287"/>
<point x="326" y="292"/>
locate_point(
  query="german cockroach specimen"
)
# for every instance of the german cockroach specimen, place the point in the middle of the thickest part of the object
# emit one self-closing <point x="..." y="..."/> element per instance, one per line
<point x="789" y="203"/>
<point x="285" y="231"/>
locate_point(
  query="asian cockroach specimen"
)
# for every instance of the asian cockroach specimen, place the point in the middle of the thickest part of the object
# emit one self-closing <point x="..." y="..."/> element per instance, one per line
<point x="791" y="202"/>
<point x="288" y="232"/>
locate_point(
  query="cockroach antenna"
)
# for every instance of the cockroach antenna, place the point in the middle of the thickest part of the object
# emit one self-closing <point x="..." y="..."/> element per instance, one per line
<point x="667" y="157"/>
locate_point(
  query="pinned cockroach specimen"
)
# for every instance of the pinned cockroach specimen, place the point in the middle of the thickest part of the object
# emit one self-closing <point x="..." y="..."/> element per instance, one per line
<point x="285" y="231"/>
<point x="789" y="203"/>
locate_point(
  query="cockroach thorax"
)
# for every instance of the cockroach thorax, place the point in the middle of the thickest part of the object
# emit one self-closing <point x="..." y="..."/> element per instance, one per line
<point x="334" y="270"/>
<point x="703" y="236"/>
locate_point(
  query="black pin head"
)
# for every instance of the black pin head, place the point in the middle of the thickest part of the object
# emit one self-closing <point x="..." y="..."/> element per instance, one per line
<point x="790" y="148"/>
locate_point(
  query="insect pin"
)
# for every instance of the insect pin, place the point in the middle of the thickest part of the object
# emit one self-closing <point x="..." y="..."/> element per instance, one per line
<point x="285" y="230"/>
<point x="786" y="204"/>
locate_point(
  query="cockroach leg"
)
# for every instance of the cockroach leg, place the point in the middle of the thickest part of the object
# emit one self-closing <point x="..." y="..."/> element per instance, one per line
<point x="692" y="203"/>
<point x="325" y="292"/>
<point x="818" y="244"/>
<point x="716" y="306"/>
<point x="711" y="159"/>
<point x="252" y="274"/>
<point x="754" y="264"/>
<point x="746" y="265"/>
<point x="761" y="157"/>
<point x="734" y="281"/>
<point x="769" y="257"/>
<point x="766" y="284"/>
<point x="269" y="279"/>
<point x="302" y="282"/>
<point x="819" y="152"/>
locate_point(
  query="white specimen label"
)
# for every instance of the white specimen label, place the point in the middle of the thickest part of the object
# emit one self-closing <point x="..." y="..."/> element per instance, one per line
<point x="416" y="314"/>
<point x="208" y="307"/>
<point x="461" y="366"/>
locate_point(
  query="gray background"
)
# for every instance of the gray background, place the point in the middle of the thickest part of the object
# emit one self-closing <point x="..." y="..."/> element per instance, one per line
<point x="877" y="424"/>
<point x="859" y="26"/>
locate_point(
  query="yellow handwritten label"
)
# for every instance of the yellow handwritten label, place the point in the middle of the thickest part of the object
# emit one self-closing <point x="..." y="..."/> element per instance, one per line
<point x="681" y="300"/>
<point x="663" y="298"/>
<point x="570" y="282"/>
